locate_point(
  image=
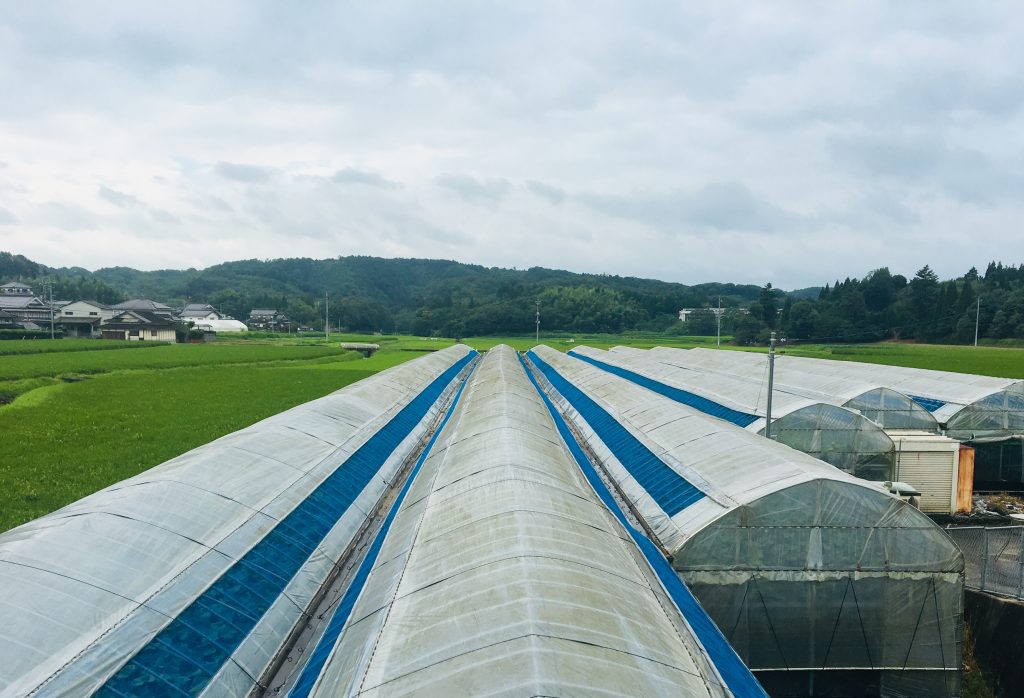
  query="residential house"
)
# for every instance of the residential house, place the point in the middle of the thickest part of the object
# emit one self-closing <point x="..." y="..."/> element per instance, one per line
<point x="83" y="318"/>
<point x="17" y="299"/>
<point x="269" y="320"/>
<point x="194" y="312"/>
<point x="15" y="288"/>
<point x="148" y="306"/>
<point x="8" y="321"/>
<point x="140" y="325"/>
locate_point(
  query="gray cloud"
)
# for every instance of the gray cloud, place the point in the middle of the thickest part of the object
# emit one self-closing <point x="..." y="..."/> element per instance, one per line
<point x="7" y="218"/>
<point x="475" y="189"/>
<point x="964" y="173"/>
<point x="822" y="143"/>
<point x="165" y="217"/>
<point x="119" y="199"/>
<point x="66" y="216"/>
<point x="370" y="179"/>
<point x="552" y="193"/>
<point x="252" y="174"/>
<point x="716" y="206"/>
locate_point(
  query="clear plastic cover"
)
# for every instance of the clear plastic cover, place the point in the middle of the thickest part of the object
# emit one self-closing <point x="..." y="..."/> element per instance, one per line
<point x="825" y="426"/>
<point x="503" y="574"/>
<point x="945" y="392"/>
<point x="87" y="587"/>
<point x="806" y="569"/>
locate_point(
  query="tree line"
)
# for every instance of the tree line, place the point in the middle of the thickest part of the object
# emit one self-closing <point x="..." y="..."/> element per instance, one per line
<point x="886" y="306"/>
<point x="446" y="298"/>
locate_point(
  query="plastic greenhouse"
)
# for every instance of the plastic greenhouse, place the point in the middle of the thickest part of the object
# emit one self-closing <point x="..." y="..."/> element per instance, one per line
<point x="189" y="577"/>
<point x="503" y="573"/>
<point x="823" y="584"/>
<point x="984" y="411"/>
<point x="828" y="431"/>
<point x="860" y="391"/>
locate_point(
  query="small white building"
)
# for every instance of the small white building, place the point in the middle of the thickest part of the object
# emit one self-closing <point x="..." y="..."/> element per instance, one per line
<point x="83" y="318"/>
<point x="685" y="313"/>
<point x="936" y="466"/>
<point x="197" y="312"/>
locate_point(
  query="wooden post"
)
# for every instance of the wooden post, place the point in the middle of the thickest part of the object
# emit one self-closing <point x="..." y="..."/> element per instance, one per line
<point x="965" y="479"/>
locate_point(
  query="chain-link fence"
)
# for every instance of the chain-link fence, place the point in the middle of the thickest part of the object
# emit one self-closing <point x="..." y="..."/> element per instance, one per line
<point x="993" y="558"/>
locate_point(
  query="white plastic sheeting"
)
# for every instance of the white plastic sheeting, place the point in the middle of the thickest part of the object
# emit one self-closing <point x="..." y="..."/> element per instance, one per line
<point x="220" y="325"/>
<point x="804" y="568"/>
<point x="956" y="390"/>
<point x="503" y="574"/>
<point x="859" y="391"/>
<point x="820" y="427"/>
<point x="87" y="587"/>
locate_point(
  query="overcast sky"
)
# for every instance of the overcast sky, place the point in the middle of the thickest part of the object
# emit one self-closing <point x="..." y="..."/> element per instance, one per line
<point x="792" y="143"/>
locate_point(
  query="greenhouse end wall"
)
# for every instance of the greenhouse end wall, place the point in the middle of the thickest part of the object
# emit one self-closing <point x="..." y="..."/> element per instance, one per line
<point x="801" y="584"/>
<point x="839" y="437"/>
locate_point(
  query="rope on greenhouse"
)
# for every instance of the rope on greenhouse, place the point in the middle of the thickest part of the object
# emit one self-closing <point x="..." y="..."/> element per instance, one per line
<point x="739" y="614"/>
<point x="913" y="637"/>
<point x="771" y="626"/>
<point x="938" y="623"/>
<point x="760" y="388"/>
<point x="835" y="628"/>
<point x="860" y="619"/>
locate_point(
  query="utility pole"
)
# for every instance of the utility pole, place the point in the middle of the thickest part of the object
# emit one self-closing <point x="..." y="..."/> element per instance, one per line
<point x="50" y="286"/>
<point x="538" y="321"/>
<point x="771" y="386"/>
<point x="977" y="317"/>
<point x="327" y="317"/>
<point x="718" y="315"/>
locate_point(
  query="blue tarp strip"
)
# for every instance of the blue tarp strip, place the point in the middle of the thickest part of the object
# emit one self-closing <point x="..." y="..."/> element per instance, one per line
<point x="317" y="660"/>
<point x="184" y="657"/>
<point x="743" y="419"/>
<point x="928" y="403"/>
<point x="669" y="489"/>
<point x="734" y="672"/>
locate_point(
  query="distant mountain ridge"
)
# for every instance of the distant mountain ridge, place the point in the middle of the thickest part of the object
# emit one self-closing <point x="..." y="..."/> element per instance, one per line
<point x="452" y="299"/>
<point x="407" y="293"/>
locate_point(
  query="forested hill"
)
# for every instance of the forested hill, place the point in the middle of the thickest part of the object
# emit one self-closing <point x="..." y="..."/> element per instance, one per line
<point x="424" y="297"/>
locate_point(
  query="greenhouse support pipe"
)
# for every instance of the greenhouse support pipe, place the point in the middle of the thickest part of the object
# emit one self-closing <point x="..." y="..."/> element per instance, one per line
<point x="771" y="386"/>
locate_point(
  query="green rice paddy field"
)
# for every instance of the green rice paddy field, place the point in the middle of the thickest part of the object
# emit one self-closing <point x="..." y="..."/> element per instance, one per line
<point x="78" y="415"/>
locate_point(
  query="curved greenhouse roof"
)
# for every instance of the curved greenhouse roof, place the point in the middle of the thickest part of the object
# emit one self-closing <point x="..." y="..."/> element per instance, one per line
<point x="944" y="393"/>
<point x="503" y="572"/>
<point x="890" y="408"/>
<point x="220" y="325"/>
<point x="812" y="574"/>
<point x="828" y="431"/>
<point x="190" y="576"/>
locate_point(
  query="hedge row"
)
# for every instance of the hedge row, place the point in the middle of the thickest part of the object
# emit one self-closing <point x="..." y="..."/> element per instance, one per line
<point x="29" y="334"/>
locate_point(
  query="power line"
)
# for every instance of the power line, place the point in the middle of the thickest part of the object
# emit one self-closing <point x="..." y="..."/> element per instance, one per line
<point x="879" y="331"/>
